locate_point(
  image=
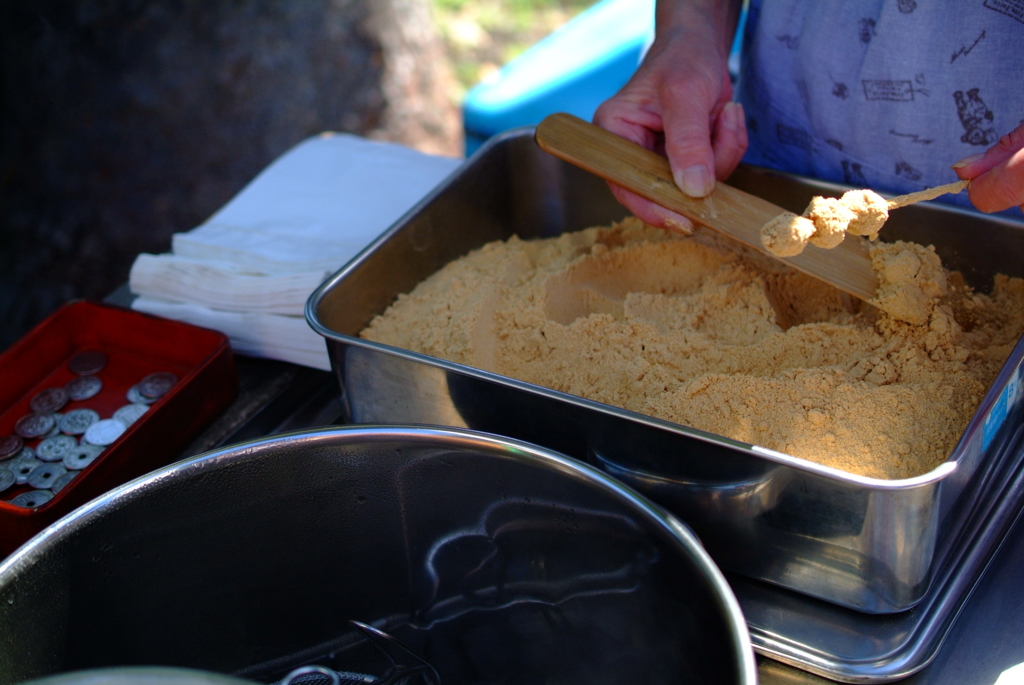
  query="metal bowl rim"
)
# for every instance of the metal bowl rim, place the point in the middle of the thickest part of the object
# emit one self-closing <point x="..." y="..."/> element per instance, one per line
<point x="497" y="445"/>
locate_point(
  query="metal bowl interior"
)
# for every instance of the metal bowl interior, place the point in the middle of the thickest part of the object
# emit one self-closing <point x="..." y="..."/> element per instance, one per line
<point x="495" y="560"/>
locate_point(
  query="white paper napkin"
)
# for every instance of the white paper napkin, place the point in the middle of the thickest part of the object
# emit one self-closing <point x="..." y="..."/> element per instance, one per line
<point x="273" y="336"/>
<point x="316" y="206"/>
<point x="222" y="285"/>
<point x="250" y="268"/>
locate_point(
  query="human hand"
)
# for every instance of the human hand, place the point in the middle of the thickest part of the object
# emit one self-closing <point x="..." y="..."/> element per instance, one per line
<point x="996" y="175"/>
<point x="679" y="104"/>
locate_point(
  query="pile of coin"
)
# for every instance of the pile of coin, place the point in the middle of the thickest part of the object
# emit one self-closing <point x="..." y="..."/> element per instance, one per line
<point x="67" y="443"/>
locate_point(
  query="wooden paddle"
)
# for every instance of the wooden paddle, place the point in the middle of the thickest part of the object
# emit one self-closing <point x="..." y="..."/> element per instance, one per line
<point x="729" y="210"/>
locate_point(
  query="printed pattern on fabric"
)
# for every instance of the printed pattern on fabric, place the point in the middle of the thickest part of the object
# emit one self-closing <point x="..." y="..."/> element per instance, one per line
<point x="1011" y="8"/>
<point x="885" y="94"/>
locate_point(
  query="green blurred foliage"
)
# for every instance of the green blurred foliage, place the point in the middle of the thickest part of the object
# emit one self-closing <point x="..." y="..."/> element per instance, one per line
<point x="481" y="36"/>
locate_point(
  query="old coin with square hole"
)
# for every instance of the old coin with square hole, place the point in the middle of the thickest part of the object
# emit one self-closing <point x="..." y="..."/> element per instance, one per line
<point x="155" y="385"/>
<point x="62" y="482"/>
<point x="83" y="388"/>
<point x="21" y="469"/>
<point x="49" y="400"/>
<point x="42" y="477"/>
<point x="55" y="448"/>
<point x="130" y="413"/>
<point x="10" y="445"/>
<point x="81" y="456"/>
<point x="77" y="421"/>
<point x="34" y="425"/>
<point x="135" y="396"/>
<point x="88" y="362"/>
<point x="104" y="432"/>
<point x="7" y="478"/>
<point x="33" y="499"/>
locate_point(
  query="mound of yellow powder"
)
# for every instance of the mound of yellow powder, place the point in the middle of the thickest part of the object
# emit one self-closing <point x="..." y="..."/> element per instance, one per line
<point x="703" y="334"/>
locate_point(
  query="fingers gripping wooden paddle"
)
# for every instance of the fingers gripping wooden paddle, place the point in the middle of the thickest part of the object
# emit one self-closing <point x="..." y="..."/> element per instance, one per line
<point x="728" y="210"/>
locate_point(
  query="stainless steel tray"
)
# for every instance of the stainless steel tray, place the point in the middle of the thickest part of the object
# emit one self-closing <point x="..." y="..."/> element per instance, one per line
<point x="871" y="545"/>
<point x="856" y="647"/>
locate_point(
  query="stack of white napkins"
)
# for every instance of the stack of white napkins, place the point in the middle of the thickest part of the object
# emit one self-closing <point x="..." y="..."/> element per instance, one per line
<point x="250" y="268"/>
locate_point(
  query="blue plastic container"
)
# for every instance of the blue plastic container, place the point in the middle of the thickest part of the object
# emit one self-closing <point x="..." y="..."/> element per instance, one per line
<point x="574" y="69"/>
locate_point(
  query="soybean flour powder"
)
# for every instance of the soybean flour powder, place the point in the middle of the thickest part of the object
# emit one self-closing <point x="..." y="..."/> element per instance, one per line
<point x="702" y="332"/>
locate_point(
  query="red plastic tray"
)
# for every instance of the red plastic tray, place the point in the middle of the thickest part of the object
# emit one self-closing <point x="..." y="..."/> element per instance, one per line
<point x="136" y="345"/>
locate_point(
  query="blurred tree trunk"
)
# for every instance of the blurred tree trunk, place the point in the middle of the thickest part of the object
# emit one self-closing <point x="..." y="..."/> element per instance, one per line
<point x="417" y="79"/>
<point x="122" y="122"/>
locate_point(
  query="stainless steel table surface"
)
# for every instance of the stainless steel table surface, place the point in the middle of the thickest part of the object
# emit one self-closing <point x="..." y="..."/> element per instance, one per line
<point x="986" y="639"/>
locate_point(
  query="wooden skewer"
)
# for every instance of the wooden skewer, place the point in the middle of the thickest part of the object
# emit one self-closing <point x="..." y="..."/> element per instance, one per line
<point x="927" y="194"/>
<point x="729" y="210"/>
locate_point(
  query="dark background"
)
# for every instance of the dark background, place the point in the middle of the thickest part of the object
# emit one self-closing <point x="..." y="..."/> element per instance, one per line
<point x="123" y="122"/>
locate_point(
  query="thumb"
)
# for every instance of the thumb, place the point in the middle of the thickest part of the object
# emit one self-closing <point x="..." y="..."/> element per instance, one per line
<point x="1001" y="187"/>
<point x="977" y="164"/>
<point x="687" y="127"/>
<point x="997" y="175"/>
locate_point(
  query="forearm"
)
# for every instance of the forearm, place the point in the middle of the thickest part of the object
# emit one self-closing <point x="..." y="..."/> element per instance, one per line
<point x="674" y="17"/>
